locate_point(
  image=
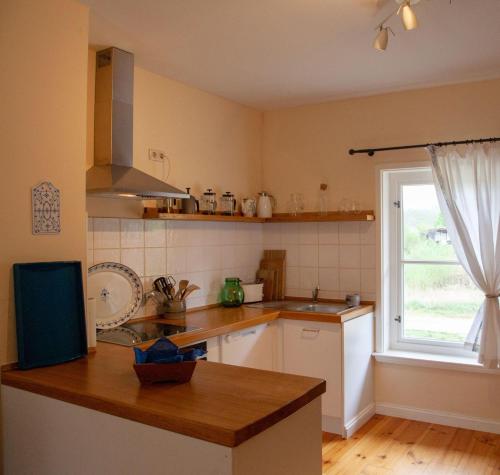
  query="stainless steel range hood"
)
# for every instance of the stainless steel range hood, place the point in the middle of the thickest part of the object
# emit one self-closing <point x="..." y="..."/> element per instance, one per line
<point x="113" y="174"/>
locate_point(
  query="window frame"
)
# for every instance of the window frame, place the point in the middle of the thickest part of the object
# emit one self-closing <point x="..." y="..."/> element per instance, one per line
<point x="392" y="254"/>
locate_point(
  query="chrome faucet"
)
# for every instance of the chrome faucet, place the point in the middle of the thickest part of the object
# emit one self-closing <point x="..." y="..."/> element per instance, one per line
<point x="315" y="294"/>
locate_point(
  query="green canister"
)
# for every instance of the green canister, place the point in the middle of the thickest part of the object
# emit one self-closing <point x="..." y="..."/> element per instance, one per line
<point x="232" y="292"/>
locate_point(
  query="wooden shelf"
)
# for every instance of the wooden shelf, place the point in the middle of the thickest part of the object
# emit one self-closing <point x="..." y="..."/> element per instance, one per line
<point x="365" y="215"/>
<point x="206" y="217"/>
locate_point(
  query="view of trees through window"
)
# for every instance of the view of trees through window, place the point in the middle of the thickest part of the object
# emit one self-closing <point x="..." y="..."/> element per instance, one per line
<point x="439" y="298"/>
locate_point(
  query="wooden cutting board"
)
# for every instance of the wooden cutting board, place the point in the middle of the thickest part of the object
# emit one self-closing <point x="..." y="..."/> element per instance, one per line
<point x="269" y="278"/>
<point x="275" y="260"/>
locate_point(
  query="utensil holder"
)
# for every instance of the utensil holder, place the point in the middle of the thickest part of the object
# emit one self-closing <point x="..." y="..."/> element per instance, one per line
<point x="175" y="306"/>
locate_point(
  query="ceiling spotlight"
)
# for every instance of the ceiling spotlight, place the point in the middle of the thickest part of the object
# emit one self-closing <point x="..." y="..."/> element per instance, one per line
<point x="408" y="16"/>
<point x="382" y="38"/>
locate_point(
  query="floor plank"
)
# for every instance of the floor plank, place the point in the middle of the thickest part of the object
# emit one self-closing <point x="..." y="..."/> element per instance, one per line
<point x="392" y="446"/>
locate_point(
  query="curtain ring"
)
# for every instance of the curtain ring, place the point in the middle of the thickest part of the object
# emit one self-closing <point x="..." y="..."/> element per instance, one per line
<point x="491" y="296"/>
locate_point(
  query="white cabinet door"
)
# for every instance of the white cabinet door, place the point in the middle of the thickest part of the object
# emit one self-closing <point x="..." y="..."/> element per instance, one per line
<point x="251" y="347"/>
<point x="315" y="349"/>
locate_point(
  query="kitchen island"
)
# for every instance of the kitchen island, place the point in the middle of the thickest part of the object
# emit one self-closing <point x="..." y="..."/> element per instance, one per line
<point x="92" y="416"/>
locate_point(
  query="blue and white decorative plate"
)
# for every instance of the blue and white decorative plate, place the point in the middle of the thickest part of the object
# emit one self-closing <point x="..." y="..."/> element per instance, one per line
<point x="118" y="292"/>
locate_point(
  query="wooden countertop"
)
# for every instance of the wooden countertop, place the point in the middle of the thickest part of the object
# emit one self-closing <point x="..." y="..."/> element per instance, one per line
<point x="223" y="404"/>
<point x="220" y="321"/>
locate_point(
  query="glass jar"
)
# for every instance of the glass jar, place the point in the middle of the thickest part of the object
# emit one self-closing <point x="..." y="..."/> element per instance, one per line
<point x="232" y="292"/>
<point x="228" y="203"/>
<point x="208" y="202"/>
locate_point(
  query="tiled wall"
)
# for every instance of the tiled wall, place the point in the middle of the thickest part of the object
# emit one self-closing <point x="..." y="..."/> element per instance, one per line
<point x="339" y="257"/>
<point x="202" y="252"/>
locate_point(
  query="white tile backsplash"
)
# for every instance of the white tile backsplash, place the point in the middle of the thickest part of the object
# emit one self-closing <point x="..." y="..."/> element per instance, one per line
<point x="106" y="233"/>
<point x="308" y="278"/>
<point x="328" y="256"/>
<point x="368" y="257"/>
<point x="350" y="257"/>
<point x="349" y="232"/>
<point x="106" y="255"/>
<point x="155" y="233"/>
<point x="367" y="232"/>
<point x="329" y="278"/>
<point x="131" y="233"/>
<point x="339" y="257"/>
<point x="292" y="254"/>
<point x="289" y="233"/>
<point x="133" y="258"/>
<point x="177" y="260"/>
<point x="367" y="281"/>
<point x="328" y="233"/>
<point x="203" y="252"/>
<point x="308" y="233"/>
<point x="308" y="256"/>
<point x="155" y="261"/>
<point x="349" y="280"/>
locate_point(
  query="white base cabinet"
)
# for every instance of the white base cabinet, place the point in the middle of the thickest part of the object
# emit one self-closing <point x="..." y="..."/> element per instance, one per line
<point x="315" y="349"/>
<point x="252" y="347"/>
<point x="341" y="354"/>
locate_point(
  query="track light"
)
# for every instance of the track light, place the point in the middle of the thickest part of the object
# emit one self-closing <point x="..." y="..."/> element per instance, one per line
<point x="408" y="16"/>
<point x="382" y="38"/>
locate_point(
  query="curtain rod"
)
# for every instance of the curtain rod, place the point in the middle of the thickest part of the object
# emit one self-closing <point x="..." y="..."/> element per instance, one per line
<point x="371" y="151"/>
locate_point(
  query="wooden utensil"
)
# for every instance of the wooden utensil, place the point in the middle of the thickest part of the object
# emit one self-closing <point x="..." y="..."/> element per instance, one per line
<point x="189" y="289"/>
<point x="182" y="287"/>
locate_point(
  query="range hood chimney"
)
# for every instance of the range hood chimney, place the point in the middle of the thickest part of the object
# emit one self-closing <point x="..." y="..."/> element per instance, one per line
<point x="113" y="174"/>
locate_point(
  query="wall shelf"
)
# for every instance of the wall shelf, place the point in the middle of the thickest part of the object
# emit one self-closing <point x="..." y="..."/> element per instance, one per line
<point x="365" y="215"/>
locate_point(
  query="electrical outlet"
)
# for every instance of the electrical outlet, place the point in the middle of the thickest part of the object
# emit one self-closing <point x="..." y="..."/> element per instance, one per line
<point x="157" y="155"/>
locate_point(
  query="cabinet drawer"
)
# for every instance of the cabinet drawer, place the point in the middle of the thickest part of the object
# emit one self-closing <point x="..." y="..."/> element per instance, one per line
<point x="314" y="349"/>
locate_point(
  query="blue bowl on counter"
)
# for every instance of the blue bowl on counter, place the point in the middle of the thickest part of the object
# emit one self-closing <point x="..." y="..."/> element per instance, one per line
<point x="165" y="362"/>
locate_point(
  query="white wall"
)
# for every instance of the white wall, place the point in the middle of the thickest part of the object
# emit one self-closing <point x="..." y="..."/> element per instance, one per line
<point x="43" y="46"/>
<point x="305" y="146"/>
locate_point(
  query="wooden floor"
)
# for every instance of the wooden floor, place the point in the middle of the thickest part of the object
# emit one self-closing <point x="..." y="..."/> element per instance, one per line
<point x="388" y="445"/>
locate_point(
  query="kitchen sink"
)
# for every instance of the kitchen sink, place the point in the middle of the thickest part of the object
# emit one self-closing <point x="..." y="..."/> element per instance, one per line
<point x="297" y="306"/>
<point x="316" y="307"/>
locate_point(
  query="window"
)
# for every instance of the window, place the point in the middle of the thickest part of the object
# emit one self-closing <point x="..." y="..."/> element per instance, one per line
<point x="431" y="299"/>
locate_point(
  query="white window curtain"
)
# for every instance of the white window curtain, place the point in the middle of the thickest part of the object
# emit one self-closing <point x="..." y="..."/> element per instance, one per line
<point x="468" y="189"/>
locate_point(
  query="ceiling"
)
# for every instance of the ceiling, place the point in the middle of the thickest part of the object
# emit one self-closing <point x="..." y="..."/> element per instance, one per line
<point x="280" y="53"/>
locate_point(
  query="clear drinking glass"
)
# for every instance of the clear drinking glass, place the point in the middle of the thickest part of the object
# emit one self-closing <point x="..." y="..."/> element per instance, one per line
<point x="296" y="204"/>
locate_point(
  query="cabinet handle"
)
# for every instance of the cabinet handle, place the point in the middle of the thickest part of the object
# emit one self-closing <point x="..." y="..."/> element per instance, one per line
<point x="311" y="330"/>
<point x="251" y="332"/>
<point x="236" y="336"/>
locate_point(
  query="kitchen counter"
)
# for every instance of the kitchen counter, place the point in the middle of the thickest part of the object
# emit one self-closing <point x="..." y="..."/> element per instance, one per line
<point x="222" y="404"/>
<point x="220" y="321"/>
<point x="227" y="419"/>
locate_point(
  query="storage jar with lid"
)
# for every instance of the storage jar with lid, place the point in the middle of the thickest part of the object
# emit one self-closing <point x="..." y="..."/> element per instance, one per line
<point x="208" y="202"/>
<point x="232" y="292"/>
<point x="228" y="203"/>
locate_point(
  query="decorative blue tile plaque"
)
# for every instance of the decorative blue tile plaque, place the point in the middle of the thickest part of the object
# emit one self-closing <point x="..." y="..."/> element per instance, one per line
<point x="46" y="202"/>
